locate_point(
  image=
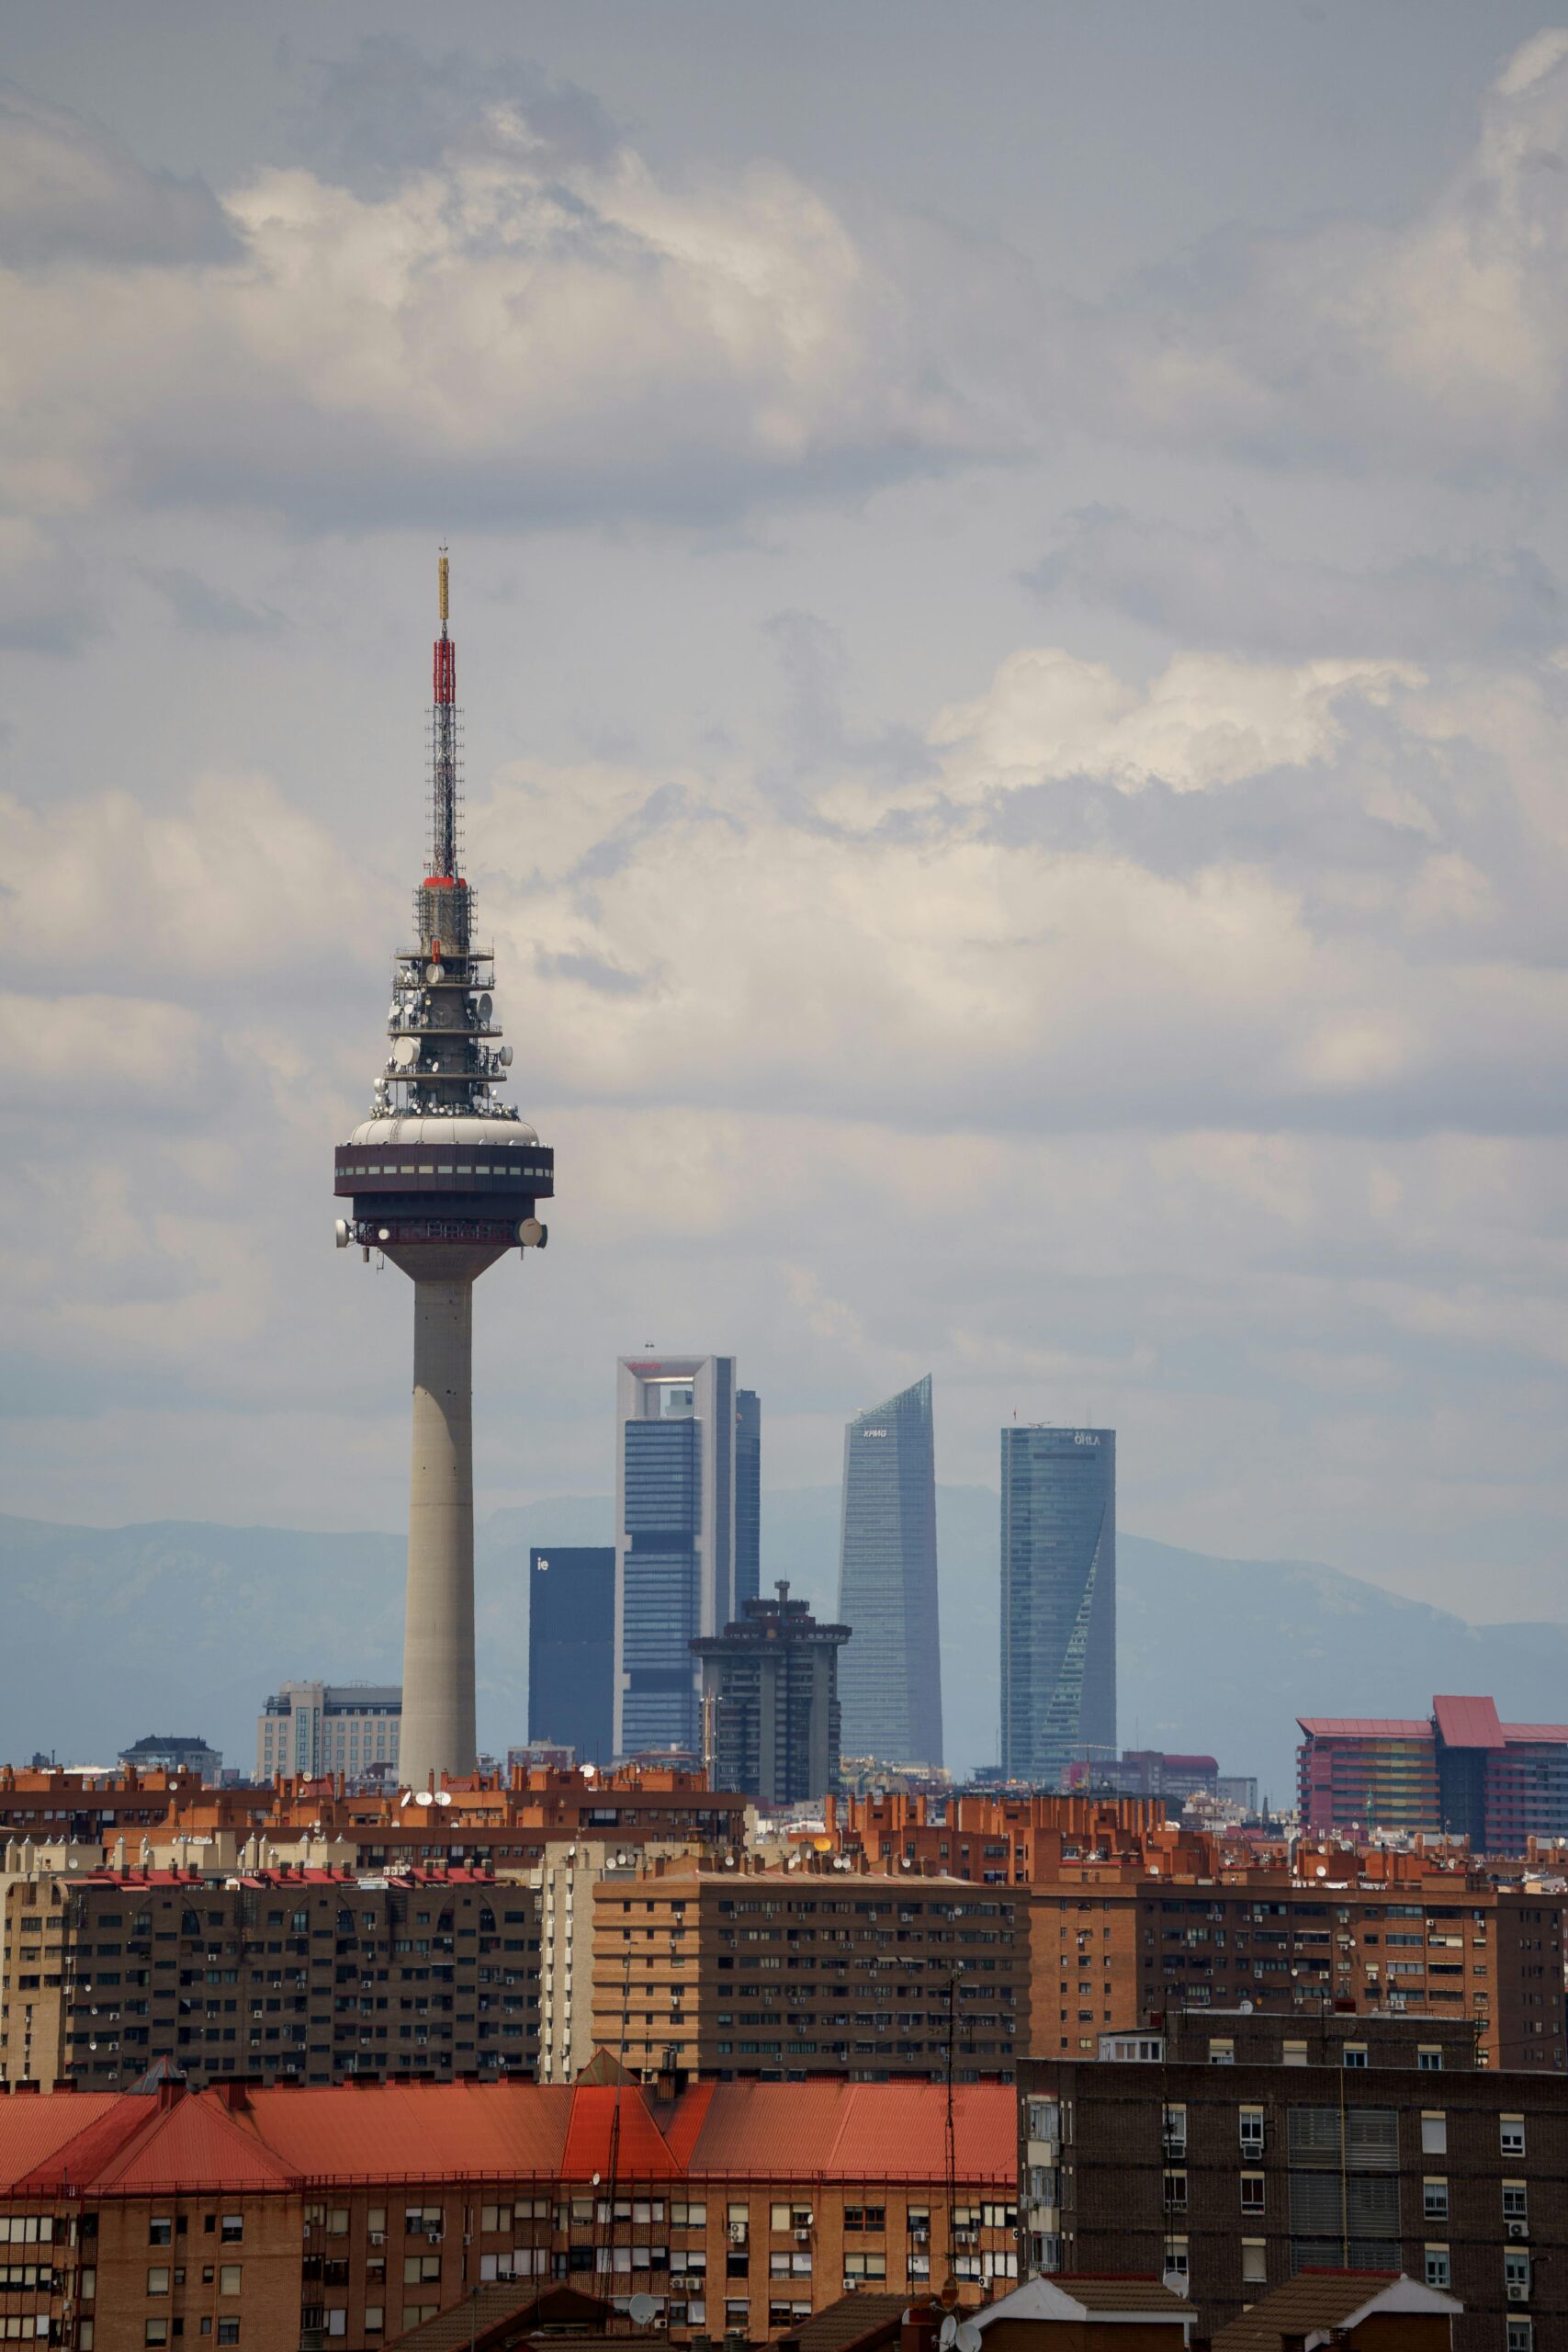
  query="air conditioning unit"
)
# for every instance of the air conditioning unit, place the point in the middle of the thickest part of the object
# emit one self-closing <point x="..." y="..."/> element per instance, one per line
<point x="739" y="2233"/>
<point x="1517" y="2291"/>
<point x="854" y="2286"/>
<point x="378" y="2237"/>
<point x="803" y="2237"/>
<point x="1518" y="2229"/>
<point x="434" y="2236"/>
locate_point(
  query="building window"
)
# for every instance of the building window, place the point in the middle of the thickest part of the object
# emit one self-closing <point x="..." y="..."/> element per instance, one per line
<point x="1434" y="2132"/>
<point x="1434" y="2201"/>
<point x="1438" y="2272"/>
<point x="1516" y="2206"/>
<point x="1176" y="2261"/>
<point x="1521" y="2335"/>
<point x="1355" y="2054"/>
<point x="157" y="2282"/>
<point x="1222" y="2051"/>
<point x="1176" y="2192"/>
<point x="1174" y="2133"/>
<point x="1252" y="2192"/>
<point x="155" y="2331"/>
<point x="1512" y="2131"/>
<point x="231" y="2229"/>
<point x="1295" y="2053"/>
<point x="1250" y="2120"/>
<point x="229" y="2331"/>
<point x="228" y="2274"/>
<point x="1254" y="2262"/>
<point x="1515" y="2276"/>
<point x="1429" y="2057"/>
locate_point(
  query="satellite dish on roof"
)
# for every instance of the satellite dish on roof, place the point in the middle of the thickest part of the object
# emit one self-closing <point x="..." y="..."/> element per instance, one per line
<point x="423" y="1796"/>
<point x="443" y="1796"/>
<point x="641" y="2309"/>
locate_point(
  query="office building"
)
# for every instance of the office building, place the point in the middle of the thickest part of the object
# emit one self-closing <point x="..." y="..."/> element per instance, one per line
<point x="1458" y="1773"/>
<point x="308" y="1730"/>
<point x="1232" y="2153"/>
<point x="675" y="1420"/>
<point x="791" y="1972"/>
<point x="890" y="1675"/>
<point x="771" y="1701"/>
<point x="747" y="1497"/>
<point x="1058" y="1612"/>
<point x="173" y="1753"/>
<point x="571" y="1648"/>
<point x="271" y="2216"/>
<point x="305" y="1975"/>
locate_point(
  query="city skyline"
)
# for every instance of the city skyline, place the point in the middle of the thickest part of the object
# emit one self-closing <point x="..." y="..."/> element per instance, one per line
<point x="1015" y="755"/>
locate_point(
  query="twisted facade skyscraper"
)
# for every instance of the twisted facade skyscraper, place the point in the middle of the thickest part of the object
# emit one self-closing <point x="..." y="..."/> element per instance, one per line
<point x="890" y="1676"/>
<point x="442" y="1178"/>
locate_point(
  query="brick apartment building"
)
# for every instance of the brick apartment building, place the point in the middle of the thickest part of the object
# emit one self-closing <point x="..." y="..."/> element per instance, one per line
<point x="499" y="1820"/>
<point x="1237" y="2151"/>
<point x="305" y="1974"/>
<point x="263" y="2217"/>
<point x="791" y="1972"/>
<point x="1128" y="1917"/>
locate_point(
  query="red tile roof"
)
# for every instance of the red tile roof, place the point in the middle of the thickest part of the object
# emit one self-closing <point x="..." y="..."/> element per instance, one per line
<point x="192" y="2140"/>
<point x="416" y="2131"/>
<point x="37" y="2130"/>
<point x="855" y="2131"/>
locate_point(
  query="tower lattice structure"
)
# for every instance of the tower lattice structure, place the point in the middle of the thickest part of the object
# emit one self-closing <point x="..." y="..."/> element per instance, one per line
<point x="442" y="1178"/>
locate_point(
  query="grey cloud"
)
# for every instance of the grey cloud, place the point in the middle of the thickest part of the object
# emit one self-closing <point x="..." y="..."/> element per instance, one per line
<point x="1220" y="586"/>
<point x="197" y="604"/>
<point x="593" y="972"/>
<point x="71" y="192"/>
<point x="388" y="108"/>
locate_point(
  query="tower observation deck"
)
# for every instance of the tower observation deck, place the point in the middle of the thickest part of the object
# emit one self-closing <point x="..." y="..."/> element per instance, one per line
<point x="442" y="1178"/>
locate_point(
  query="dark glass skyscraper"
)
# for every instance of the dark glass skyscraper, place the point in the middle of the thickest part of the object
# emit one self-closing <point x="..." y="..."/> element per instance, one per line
<point x="748" y="1498"/>
<point x="571" y="1648"/>
<point x="1058" y="1599"/>
<point x="890" y="1676"/>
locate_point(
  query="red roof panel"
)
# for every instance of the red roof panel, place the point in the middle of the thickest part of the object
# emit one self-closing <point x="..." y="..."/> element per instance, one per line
<point x="854" y="2130"/>
<point x="416" y="2131"/>
<point x="1467" y="1723"/>
<point x="38" y="2132"/>
<point x="1365" y="1727"/>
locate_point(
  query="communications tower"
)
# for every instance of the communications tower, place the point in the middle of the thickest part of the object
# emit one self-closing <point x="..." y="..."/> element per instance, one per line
<point x="443" y="1180"/>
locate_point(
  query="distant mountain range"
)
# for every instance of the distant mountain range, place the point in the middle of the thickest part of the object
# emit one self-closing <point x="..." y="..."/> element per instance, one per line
<point x="111" y="1633"/>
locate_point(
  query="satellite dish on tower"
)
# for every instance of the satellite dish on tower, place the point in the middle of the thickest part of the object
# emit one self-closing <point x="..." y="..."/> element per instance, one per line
<point x="405" y="1052"/>
<point x="433" y="972"/>
<point x="486" y="1008"/>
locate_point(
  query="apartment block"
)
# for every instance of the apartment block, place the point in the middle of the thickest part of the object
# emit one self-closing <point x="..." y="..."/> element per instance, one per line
<point x="1131" y="1918"/>
<point x="316" y="1729"/>
<point x="1234" y="2153"/>
<point x="1458" y="1772"/>
<point x="564" y="1883"/>
<point x="310" y="1976"/>
<point x="786" y="1973"/>
<point x="265" y="2217"/>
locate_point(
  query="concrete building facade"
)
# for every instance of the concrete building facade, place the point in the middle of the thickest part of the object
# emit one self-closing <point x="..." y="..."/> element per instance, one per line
<point x="771" y="1701"/>
<point x="310" y="1730"/>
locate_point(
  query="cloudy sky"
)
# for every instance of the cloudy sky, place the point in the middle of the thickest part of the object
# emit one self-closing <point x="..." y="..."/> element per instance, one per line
<point x="1009" y="571"/>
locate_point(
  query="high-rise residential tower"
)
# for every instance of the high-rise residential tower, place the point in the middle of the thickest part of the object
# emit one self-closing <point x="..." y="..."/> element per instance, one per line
<point x="747" y="1497"/>
<point x="1058" y="1599"/>
<point x="770" y="1698"/>
<point x="675" y="1432"/>
<point x="890" y="1676"/>
<point x="571" y="1648"/>
<point x="444" y="1180"/>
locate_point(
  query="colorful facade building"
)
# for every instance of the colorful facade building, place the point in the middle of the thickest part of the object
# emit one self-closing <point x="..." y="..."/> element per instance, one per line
<point x="1458" y="1772"/>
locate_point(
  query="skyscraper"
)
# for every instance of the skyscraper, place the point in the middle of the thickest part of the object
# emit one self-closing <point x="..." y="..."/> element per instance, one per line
<point x="747" y="1497"/>
<point x="1058" y="1599"/>
<point x="443" y="1178"/>
<point x="890" y="1676"/>
<point x="770" y="1682"/>
<point x="675" y="1425"/>
<point x="571" y="1648"/>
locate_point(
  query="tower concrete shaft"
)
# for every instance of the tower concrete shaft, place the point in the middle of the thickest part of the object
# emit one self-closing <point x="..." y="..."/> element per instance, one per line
<point x="438" y="1622"/>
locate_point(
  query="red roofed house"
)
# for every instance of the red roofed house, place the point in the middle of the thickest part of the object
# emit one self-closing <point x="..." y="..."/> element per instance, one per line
<point x="248" y="2214"/>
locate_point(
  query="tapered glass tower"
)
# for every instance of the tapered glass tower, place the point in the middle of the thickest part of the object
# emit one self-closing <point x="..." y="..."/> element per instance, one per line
<point x="1058" y="1600"/>
<point x="890" y="1676"/>
<point x="443" y="1180"/>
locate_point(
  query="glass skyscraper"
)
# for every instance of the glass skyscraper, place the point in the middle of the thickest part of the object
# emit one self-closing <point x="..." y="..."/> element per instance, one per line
<point x="571" y="1647"/>
<point x="890" y="1675"/>
<point x="1058" y="1599"/>
<point x="748" y="1498"/>
<point x="675" y="1420"/>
